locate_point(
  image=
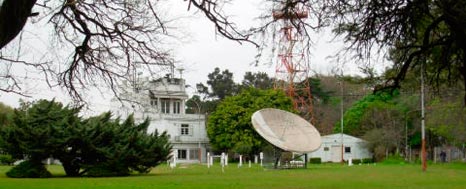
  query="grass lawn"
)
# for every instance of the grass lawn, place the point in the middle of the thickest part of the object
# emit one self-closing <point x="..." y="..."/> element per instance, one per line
<point x="316" y="176"/>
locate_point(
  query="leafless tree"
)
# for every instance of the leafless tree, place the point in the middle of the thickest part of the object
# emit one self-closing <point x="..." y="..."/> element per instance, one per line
<point x="109" y="36"/>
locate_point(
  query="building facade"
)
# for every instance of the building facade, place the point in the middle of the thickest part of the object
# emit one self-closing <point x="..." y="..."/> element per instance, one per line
<point x="163" y="102"/>
<point x="331" y="148"/>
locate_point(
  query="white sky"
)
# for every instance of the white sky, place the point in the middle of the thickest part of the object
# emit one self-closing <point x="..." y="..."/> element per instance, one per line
<point x="199" y="52"/>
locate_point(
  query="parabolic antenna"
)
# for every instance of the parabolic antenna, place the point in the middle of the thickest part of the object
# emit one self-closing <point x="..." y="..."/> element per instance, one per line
<point x="286" y="130"/>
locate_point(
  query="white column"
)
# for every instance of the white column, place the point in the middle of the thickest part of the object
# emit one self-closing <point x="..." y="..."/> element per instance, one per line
<point x="222" y="159"/>
<point x="261" y="156"/>
<point x="208" y="160"/>
<point x="240" y="161"/>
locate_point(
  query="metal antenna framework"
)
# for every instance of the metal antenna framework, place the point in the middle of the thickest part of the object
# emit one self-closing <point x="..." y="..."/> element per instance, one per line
<point x="292" y="67"/>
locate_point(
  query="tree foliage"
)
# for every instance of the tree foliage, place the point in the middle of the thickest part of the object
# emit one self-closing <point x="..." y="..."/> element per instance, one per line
<point x="6" y="119"/>
<point x="416" y="31"/>
<point x="354" y="116"/>
<point x="447" y="120"/>
<point x="29" y="169"/>
<point x="383" y="125"/>
<point x="47" y="129"/>
<point x="317" y="92"/>
<point x="121" y="146"/>
<point x="6" y="114"/>
<point x="222" y="84"/>
<point x="39" y="130"/>
<point x="259" y="80"/>
<point x="229" y="126"/>
<point x="382" y="120"/>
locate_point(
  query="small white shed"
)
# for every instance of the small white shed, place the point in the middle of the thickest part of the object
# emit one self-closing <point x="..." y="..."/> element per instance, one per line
<point x="331" y="148"/>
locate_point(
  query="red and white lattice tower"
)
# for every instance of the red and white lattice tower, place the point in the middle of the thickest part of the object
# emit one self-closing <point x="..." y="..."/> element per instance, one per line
<point x="292" y="66"/>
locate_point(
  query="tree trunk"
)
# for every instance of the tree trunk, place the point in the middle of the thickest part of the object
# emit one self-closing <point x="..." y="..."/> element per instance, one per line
<point x="71" y="169"/>
<point x="13" y="17"/>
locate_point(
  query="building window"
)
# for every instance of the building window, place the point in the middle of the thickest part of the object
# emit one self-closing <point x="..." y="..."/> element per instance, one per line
<point x="185" y="129"/>
<point x="153" y="102"/>
<point x="347" y="149"/>
<point x="165" y="103"/>
<point x="194" y="154"/>
<point x="176" y="107"/>
<point x="182" y="154"/>
<point x="326" y="149"/>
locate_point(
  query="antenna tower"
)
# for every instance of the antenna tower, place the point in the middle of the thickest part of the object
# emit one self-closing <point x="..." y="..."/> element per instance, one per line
<point x="292" y="67"/>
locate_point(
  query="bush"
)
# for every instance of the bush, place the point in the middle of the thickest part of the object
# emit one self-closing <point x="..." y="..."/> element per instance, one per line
<point x="367" y="160"/>
<point x="29" y="169"/>
<point x="6" y="159"/>
<point x="357" y="161"/>
<point x="315" y="160"/>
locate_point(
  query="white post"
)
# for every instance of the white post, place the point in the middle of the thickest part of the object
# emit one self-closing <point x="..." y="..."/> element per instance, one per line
<point x="261" y="156"/>
<point x="208" y="160"/>
<point x="211" y="160"/>
<point x="423" y="132"/>
<point x="173" y="164"/>
<point x="249" y="163"/>
<point x="342" y="121"/>
<point x="226" y="159"/>
<point x="240" y="161"/>
<point x="255" y="159"/>
<point x="222" y="159"/>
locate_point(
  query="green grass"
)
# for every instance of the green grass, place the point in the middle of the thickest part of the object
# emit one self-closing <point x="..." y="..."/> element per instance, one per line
<point x="316" y="176"/>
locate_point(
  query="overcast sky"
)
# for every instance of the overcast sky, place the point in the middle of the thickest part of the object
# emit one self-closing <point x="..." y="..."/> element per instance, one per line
<point x="199" y="51"/>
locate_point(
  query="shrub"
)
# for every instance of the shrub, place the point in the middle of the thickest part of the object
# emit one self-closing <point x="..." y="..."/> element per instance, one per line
<point x="6" y="159"/>
<point x="29" y="169"/>
<point x="367" y="160"/>
<point x="315" y="160"/>
<point x="356" y="161"/>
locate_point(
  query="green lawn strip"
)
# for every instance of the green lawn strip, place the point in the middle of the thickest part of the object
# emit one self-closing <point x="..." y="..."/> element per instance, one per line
<point x="316" y="176"/>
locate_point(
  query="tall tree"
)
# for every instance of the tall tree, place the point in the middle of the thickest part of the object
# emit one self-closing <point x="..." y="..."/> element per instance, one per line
<point x="6" y="119"/>
<point x="221" y="84"/>
<point x="429" y="32"/>
<point x="447" y="120"/>
<point x="229" y="126"/>
<point x="6" y="114"/>
<point x="194" y="105"/>
<point x="259" y="80"/>
<point x="354" y="116"/>
<point x="383" y="125"/>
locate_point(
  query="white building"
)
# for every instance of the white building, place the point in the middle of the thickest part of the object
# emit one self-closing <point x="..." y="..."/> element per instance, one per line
<point x="163" y="101"/>
<point x="331" y="148"/>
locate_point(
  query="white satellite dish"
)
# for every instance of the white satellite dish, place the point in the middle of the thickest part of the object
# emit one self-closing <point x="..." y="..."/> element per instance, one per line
<point x="286" y="130"/>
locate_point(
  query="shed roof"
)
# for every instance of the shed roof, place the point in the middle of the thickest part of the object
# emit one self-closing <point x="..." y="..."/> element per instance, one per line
<point x="336" y="138"/>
